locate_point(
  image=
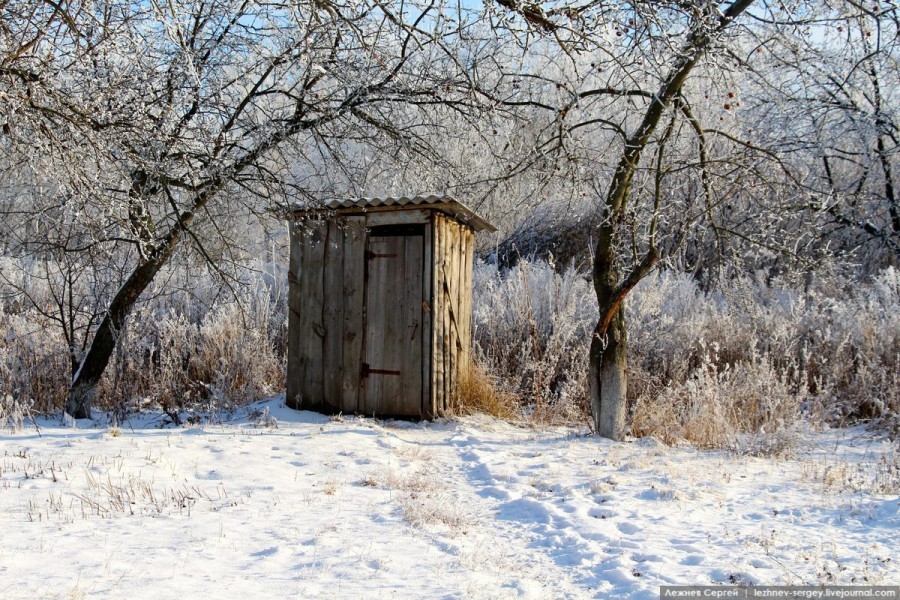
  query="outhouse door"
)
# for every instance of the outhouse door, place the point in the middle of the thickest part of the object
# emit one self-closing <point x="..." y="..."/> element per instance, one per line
<point x="391" y="377"/>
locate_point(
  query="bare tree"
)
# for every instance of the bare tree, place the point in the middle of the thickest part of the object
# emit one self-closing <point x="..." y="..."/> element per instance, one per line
<point x="647" y="114"/>
<point x="159" y="121"/>
<point x="831" y="86"/>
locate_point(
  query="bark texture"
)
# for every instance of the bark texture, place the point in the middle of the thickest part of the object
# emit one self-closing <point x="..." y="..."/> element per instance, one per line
<point x="608" y="353"/>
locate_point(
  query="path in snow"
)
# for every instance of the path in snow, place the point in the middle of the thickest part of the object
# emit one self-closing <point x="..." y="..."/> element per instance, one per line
<point x="357" y="508"/>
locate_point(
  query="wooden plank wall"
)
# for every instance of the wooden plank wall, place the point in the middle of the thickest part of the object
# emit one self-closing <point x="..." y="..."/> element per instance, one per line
<point x="325" y="314"/>
<point x="326" y="320"/>
<point x="452" y="311"/>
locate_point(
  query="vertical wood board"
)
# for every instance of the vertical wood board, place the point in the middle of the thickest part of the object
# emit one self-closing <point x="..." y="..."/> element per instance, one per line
<point x="466" y="296"/>
<point x="354" y="259"/>
<point x="437" y="334"/>
<point x="333" y="321"/>
<point x="428" y="409"/>
<point x="411" y="326"/>
<point x="295" y="306"/>
<point x="375" y="323"/>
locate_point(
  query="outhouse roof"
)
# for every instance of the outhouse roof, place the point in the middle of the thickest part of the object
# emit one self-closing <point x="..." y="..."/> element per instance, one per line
<point x="446" y="204"/>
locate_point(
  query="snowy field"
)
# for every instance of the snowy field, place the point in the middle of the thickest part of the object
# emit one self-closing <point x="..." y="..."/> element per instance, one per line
<point x="313" y="507"/>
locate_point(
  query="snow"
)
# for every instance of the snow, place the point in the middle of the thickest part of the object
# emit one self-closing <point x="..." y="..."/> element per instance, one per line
<point x="474" y="507"/>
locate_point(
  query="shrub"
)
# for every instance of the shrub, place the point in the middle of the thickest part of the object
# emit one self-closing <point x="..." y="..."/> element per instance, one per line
<point x="719" y="368"/>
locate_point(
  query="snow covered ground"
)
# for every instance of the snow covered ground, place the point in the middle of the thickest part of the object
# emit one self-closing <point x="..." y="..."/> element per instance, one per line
<point x="357" y="508"/>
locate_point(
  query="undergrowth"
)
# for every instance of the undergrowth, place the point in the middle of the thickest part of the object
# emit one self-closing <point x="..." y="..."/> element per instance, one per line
<point x="740" y="367"/>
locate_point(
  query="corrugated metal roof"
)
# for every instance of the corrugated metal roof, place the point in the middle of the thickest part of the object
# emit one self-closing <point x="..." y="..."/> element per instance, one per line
<point x="446" y="204"/>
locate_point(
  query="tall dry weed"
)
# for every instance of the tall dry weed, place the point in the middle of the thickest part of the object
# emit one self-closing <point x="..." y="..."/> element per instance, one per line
<point x="195" y="346"/>
<point x="531" y="328"/>
<point x="713" y="367"/>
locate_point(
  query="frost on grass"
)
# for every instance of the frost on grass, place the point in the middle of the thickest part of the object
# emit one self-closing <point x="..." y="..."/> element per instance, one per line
<point x="353" y="507"/>
<point x="720" y="368"/>
<point x="740" y="367"/>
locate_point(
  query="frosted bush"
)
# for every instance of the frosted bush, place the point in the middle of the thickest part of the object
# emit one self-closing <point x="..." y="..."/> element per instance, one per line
<point x="191" y="342"/>
<point x="532" y="326"/>
<point x="730" y="367"/>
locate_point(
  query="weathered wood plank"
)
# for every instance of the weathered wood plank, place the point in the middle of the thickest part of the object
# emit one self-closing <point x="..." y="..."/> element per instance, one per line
<point x="411" y="327"/>
<point x="376" y="326"/>
<point x="332" y="309"/>
<point x="453" y="302"/>
<point x="427" y="340"/>
<point x="310" y="327"/>
<point x="438" y="316"/>
<point x="393" y="296"/>
<point x="295" y="306"/>
<point x="447" y="275"/>
<point x="354" y="262"/>
<point x="466" y="296"/>
<point x="406" y="217"/>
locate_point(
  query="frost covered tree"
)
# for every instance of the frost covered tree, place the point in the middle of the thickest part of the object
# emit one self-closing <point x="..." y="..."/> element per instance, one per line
<point x="649" y="119"/>
<point x="148" y="127"/>
<point x="832" y="114"/>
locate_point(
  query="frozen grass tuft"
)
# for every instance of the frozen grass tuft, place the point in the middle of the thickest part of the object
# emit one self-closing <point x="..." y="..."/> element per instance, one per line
<point x="739" y="368"/>
<point x="426" y="501"/>
<point x="480" y="392"/>
<point x="12" y="413"/>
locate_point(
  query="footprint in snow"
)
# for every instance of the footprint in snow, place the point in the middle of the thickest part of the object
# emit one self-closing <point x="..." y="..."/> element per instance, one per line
<point x="493" y="492"/>
<point x="599" y="513"/>
<point x="645" y="558"/>
<point x="629" y="528"/>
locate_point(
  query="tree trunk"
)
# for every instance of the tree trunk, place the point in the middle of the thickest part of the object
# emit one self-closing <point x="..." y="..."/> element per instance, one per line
<point x="608" y="380"/>
<point x="609" y="344"/>
<point x="84" y="383"/>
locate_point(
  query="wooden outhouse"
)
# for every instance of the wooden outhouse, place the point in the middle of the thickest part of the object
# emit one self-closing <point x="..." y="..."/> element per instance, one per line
<point x="380" y="305"/>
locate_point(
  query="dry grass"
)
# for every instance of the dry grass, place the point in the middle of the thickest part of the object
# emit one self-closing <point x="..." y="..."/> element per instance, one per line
<point x="722" y="369"/>
<point x="878" y="476"/>
<point x="426" y="501"/>
<point x="423" y="509"/>
<point x="531" y="329"/>
<point x="478" y="392"/>
<point x="747" y="408"/>
<point x="737" y="368"/>
<point x="197" y="348"/>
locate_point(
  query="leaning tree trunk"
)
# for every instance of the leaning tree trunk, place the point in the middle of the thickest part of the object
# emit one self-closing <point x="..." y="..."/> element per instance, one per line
<point x="609" y="344"/>
<point x="86" y="379"/>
